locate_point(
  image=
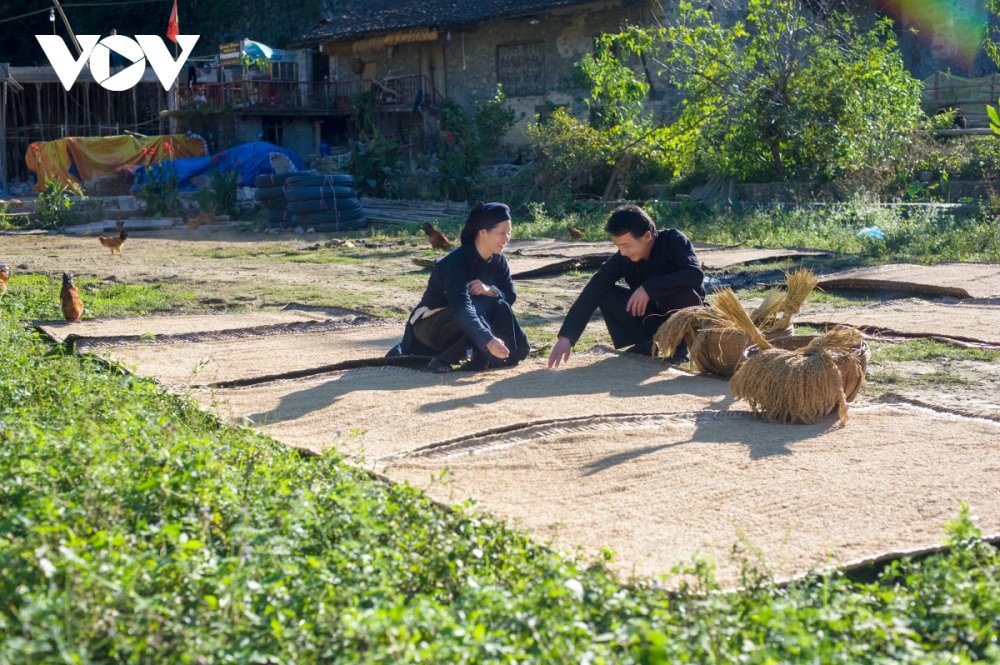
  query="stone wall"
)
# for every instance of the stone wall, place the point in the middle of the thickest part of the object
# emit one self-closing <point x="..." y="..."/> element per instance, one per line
<point x="531" y="56"/>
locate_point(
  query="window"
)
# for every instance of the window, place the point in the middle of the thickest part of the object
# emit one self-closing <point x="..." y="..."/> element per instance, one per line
<point x="274" y="131"/>
<point x="521" y="69"/>
<point x="284" y="71"/>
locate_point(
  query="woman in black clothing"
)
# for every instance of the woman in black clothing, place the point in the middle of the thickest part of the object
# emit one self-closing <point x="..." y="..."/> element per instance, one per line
<point x="467" y="303"/>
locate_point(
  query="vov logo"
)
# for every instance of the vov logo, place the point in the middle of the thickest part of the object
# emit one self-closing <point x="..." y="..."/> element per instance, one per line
<point x="97" y="51"/>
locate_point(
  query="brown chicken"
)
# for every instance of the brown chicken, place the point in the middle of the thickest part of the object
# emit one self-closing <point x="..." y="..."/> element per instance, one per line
<point x="72" y="305"/>
<point x="115" y="242"/>
<point x="205" y="217"/>
<point x="4" y="276"/>
<point x="438" y="240"/>
<point x="575" y="234"/>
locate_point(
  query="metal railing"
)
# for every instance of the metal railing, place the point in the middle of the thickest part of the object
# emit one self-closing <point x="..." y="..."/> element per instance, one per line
<point x="392" y="94"/>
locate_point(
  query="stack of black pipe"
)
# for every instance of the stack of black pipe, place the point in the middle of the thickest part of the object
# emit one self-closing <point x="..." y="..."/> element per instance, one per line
<point x="324" y="202"/>
<point x="271" y="194"/>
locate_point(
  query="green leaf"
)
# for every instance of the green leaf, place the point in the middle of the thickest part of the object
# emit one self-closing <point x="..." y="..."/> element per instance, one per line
<point x="994" y="116"/>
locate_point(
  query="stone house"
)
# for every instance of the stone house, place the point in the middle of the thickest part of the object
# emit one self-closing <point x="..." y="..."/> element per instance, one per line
<point x="415" y="55"/>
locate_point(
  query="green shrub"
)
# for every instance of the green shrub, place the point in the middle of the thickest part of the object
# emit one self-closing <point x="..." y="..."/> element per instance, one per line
<point x="375" y="165"/>
<point x="136" y="528"/>
<point x="220" y="195"/>
<point x="56" y="203"/>
<point x="160" y="191"/>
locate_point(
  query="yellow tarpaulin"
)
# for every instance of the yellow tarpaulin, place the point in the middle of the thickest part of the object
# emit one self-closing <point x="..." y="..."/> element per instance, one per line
<point x="79" y="158"/>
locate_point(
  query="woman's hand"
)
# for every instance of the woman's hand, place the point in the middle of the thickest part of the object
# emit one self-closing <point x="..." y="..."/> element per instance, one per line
<point x="497" y="348"/>
<point x="477" y="288"/>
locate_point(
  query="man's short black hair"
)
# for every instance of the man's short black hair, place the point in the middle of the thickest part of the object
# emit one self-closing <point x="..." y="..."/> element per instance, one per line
<point x="632" y="219"/>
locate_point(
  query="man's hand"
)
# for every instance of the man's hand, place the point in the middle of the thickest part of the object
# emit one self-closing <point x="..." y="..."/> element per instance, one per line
<point x="497" y="348"/>
<point x="636" y="305"/>
<point x="477" y="288"/>
<point x="560" y="352"/>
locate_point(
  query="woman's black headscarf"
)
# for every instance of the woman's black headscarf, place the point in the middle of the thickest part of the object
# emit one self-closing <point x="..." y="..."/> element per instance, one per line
<point x="483" y="216"/>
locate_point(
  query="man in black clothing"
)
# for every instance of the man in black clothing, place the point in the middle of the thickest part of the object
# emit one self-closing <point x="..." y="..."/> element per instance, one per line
<point x="663" y="275"/>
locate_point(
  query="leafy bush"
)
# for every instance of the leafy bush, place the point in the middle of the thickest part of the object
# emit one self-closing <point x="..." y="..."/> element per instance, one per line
<point x="786" y="95"/>
<point x="160" y="191"/>
<point x="136" y="528"/>
<point x="56" y="203"/>
<point x="220" y="195"/>
<point x="572" y="156"/>
<point x="620" y="147"/>
<point x="375" y="165"/>
<point x="493" y="119"/>
<point x="465" y="143"/>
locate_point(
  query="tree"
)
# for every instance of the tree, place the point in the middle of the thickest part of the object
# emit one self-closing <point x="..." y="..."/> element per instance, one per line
<point x="621" y="138"/>
<point x="783" y="95"/>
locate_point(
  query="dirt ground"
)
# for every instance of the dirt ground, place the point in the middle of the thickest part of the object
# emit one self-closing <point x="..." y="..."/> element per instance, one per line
<point x="228" y="267"/>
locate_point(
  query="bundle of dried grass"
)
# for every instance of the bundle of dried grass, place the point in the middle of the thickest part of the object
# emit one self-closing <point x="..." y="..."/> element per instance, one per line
<point x="801" y="386"/>
<point x="785" y="303"/>
<point x="766" y="315"/>
<point x="717" y="335"/>
<point x="727" y="303"/>
<point x="684" y="325"/>
<point x="800" y="285"/>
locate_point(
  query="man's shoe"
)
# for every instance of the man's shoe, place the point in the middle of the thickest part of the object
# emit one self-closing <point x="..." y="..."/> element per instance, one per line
<point x="438" y="366"/>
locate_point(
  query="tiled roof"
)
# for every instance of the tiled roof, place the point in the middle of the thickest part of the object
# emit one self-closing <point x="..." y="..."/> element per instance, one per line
<point x="380" y="16"/>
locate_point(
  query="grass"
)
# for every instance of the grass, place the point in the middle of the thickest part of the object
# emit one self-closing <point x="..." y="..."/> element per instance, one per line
<point x="941" y="377"/>
<point x="921" y="235"/>
<point x="278" y="255"/>
<point x="136" y="528"/>
<point x="100" y="298"/>
<point x="928" y="349"/>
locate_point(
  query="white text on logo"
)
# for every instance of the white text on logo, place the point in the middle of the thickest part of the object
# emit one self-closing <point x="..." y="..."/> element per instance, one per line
<point x="98" y="52"/>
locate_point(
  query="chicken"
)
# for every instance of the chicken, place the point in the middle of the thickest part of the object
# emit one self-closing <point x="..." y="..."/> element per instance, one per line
<point x="72" y="305"/>
<point x="204" y="217"/>
<point x="4" y="276"/>
<point x="575" y="234"/>
<point x="437" y="239"/>
<point x="115" y="242"/>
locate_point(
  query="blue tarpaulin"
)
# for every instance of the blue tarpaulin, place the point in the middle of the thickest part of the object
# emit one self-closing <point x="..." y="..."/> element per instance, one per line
<point x="250" y="159"/>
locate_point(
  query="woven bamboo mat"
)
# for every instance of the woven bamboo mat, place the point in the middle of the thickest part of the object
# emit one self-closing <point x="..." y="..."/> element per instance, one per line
<point x="960" y="280"/>
<point x="962" y="323"/>
<point x="661" y="489"/>
<point x="553" y="259"/>
<point x="724" y="257"/>
<point x="250" y="353"/>
<point x="172" y="324"/>
<point x="401" y="409"/>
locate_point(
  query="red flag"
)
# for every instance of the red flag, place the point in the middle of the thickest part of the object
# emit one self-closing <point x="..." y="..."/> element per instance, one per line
<point x="173" y="28"/>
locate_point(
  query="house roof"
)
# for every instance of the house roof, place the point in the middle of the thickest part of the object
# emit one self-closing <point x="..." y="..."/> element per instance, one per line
<point x="372" y="17"/>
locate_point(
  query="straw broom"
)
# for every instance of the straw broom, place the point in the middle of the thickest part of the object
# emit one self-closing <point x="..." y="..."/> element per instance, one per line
<point x="799" y="386"/>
